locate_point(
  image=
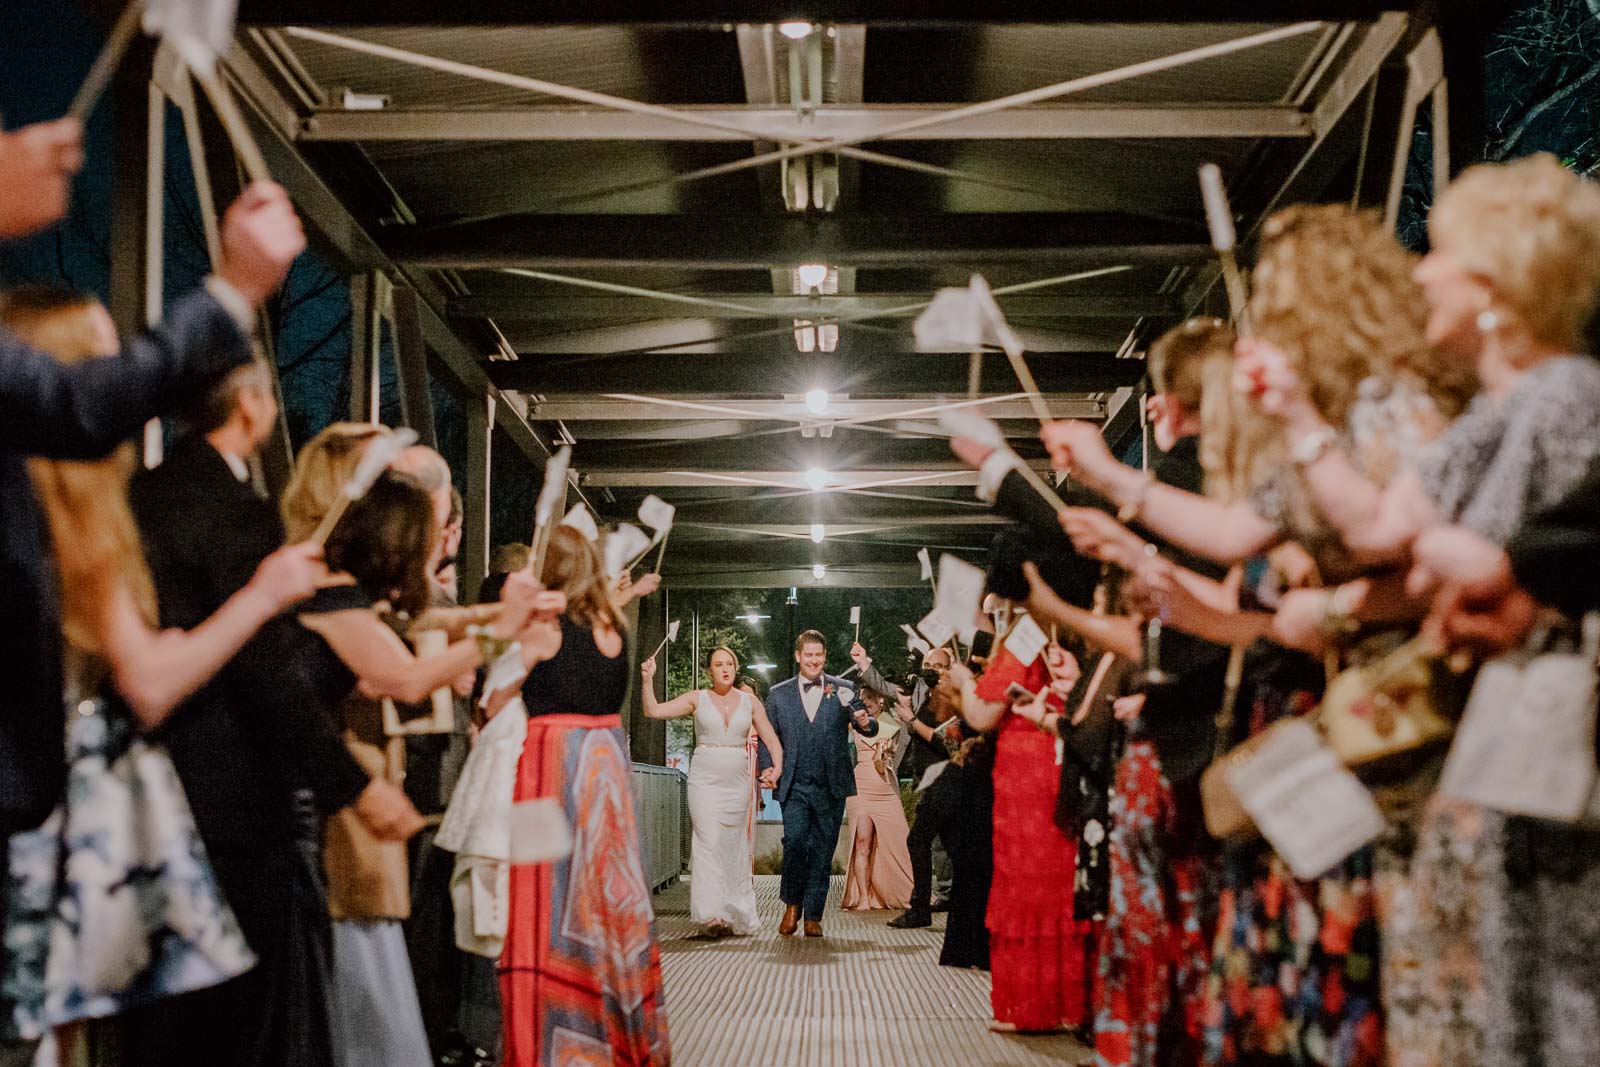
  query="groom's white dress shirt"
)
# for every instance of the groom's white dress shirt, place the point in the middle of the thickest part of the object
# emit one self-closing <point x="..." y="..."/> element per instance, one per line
<point x="811" y="698"/>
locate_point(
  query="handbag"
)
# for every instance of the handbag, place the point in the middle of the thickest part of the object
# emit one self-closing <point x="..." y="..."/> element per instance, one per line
<point x="1527" y="741"/>
<point x="1382" y="713"/>
<point x="112" y="904"/>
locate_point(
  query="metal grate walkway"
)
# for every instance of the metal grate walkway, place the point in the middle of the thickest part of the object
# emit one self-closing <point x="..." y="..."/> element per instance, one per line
<point x="864" y="995"/>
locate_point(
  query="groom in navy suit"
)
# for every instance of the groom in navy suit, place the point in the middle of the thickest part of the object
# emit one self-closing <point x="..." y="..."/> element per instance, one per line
<point x="812" y="715"/>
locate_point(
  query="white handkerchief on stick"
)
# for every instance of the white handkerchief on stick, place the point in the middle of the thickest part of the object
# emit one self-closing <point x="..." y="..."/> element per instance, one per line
<point x="914" y="641"/>
<point x="1311" y="809"/>
<point x="932" y="774"/>
<point x="539" y="831"/>
<point x="960" y="593"/>
<point x="1026" y="641"/>
<point x="1526" y="742"/>
<point x="657" y="514"/>
<point x="927" y="564"/>
<point x="936" y="630"/>
<point x="855" y="616"/>
<point x="623" y="546"/>
<point x="580" y="519"/>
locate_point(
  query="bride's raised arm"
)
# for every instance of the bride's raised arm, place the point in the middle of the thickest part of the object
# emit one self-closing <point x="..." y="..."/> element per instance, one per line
<point x="675" y="708"/>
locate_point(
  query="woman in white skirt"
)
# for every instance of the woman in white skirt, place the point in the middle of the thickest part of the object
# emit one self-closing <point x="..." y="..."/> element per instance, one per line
<point x="722" y="790"/>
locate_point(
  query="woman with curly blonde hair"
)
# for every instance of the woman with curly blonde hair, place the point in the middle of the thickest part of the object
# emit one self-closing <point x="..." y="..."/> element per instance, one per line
<point x="1492" y="928"/>
<point x="1335" y="301"/>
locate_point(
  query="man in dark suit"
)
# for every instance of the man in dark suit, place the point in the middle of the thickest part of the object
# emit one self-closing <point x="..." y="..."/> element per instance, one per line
<point x="244" y="745"/>
<point x="83" y="411"/>
<point x="812" y="714"/>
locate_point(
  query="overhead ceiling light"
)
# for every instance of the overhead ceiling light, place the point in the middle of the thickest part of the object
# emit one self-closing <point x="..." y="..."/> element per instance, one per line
<point x="796" y="30"/>
<point x="817" y="401"/>
<point x="818" y="571"/>
<point x="752" y="618"/>
<point x="812" y="275"/>
<point x="762" y="666"/>
<point x="818" y="533"/>
<point x="817" y="478"/>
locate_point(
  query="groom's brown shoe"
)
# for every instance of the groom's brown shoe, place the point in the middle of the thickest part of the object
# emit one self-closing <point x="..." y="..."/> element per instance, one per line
<point x="813" y="928"/>
<point x="791" y="920"/>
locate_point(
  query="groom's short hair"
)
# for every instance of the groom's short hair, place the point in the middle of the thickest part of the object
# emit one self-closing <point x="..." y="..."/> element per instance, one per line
<point x="810" y="637"/>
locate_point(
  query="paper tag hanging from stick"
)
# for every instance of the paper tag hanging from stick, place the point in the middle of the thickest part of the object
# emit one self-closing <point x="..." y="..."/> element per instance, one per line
<point x="936" y="630"/>
<point x="959" y="593"/>
<point x="539" y="831"/>
<point x="1026" y="640"/>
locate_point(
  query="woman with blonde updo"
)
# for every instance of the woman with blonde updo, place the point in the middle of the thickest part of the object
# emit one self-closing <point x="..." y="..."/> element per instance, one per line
<point x="1491" y="940"/>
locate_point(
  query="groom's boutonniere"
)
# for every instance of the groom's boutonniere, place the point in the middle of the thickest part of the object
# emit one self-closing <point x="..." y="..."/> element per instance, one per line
<point x="827" y="690"/>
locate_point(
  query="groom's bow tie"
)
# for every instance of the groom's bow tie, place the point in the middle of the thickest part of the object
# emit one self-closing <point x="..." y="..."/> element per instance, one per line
<point x="806" y="687"/>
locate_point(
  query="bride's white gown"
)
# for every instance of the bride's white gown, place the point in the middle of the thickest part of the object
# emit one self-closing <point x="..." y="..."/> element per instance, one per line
<point x="721" y="791"/>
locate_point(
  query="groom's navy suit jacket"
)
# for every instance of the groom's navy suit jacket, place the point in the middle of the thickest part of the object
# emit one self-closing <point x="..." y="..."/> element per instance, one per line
<point x="825" y="741"/>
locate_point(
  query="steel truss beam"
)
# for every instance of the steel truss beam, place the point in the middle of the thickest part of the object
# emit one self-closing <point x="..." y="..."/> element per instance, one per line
<point x="777" y="479"/>
<point x="716" y="15"/>
<point x="1049" y="122"/>
<point x="734" y="242"/>
<point x="776" y="306"/>
<point x="868" y="374"/>
<point x="577" y="408"/>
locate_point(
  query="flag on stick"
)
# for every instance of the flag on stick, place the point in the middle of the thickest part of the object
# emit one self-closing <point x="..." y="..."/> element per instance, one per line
<point x="672" y="635"/>
<point x="380" y="454"/>
<point x="580" y="519"/>
<point x="965" y="319"/>
<point x="855" y="620"/>
<point x="544" y="508"/>
<point x="624" y="547"/>
<point x="1219" y="220"/>
<point x="658" y="514"/>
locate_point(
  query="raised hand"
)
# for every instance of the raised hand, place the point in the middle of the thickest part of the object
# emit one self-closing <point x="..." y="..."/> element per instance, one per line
<point x="37" y="163"/>
<point x="261" y="236"/>
<point x="1128" y="708"/>
<point x="1063" y="667"/>
<point x="647" y="670"/>
<point x="290" y="575"/>
<point x="1262" y="374"/>
<point x="1080" y="447"/>
<point x="858" y="656"/>
<point x="1098" y="536"/>
<point x="646" y="585"/>
<point x="971" y="453"/>
<point x="902" y="707"/>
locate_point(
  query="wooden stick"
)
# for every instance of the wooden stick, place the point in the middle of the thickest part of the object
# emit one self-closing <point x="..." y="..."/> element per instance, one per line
<point x="106" y="63"/>
<point x="325" y="528"/>
<point x="974" y="375"/>
<point x="244" y="142"/>
<point x="663" y="556"/>
<point x="1029" y="385"/>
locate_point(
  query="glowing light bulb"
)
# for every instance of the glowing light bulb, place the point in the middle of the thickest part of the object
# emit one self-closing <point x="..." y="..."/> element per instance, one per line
<point x="812" y="275"/>
<point x="817" y="478"/>
<point x="817" y="401"/>
<point x="818" y="571"/>
<point x="818" y="532"/>
<point x="796" y="30"/>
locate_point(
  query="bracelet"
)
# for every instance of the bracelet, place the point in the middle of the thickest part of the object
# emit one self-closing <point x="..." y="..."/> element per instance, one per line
<point x="1337" y="617"/>
<point x="1313" y="446"/>
<point x="491" y="646"/>
<point x="1130" y="510"/>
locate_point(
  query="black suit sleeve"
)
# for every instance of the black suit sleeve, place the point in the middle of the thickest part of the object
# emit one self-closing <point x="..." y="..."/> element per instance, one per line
<point x="84" y="409"/>
<point x="280" y="704"/>
<point x="764" y="757"/>
<point x="1556" y="554"/>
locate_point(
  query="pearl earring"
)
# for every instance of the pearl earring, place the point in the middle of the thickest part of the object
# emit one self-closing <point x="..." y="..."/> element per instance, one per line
<point x="1488" y="320"/>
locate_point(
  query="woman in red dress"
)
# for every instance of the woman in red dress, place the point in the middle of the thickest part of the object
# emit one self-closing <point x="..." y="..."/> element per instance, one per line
<point x="1039" y="953"/>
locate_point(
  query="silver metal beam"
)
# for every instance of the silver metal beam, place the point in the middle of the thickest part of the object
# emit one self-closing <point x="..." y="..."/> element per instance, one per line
<point x="781" y="306"/>
<point x="756" y="577"/>
<point x="837" y="481"/>
<point x="354" y="249"/>
<point x="785" y="124"/>
<point x="611" y="408"/>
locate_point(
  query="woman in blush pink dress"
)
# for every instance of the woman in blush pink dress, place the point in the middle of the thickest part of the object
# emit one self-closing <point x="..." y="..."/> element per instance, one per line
<point x="880" y="861"/>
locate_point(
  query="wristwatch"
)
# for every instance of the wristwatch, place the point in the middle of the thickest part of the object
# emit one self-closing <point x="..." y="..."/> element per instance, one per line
<point x="1313" y="446"/>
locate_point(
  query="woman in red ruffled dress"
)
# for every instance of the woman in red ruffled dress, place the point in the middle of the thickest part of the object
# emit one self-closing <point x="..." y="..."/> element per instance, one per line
<point x="1039" y="953"/>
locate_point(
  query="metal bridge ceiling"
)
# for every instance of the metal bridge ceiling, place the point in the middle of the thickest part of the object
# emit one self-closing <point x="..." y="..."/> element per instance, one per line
<point x="661" y="324"/>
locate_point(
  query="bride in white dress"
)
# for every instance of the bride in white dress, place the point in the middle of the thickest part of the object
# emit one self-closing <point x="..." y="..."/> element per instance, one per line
<point x="722" y="792"/>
